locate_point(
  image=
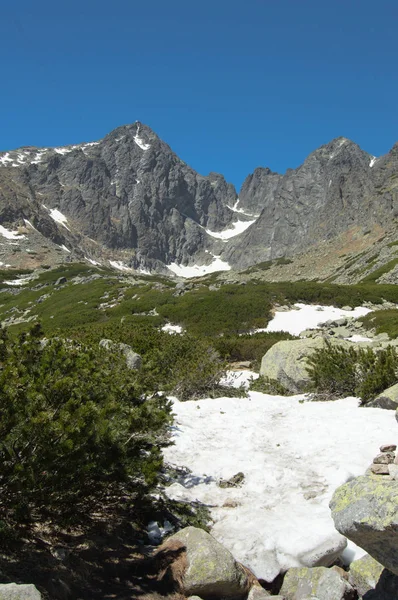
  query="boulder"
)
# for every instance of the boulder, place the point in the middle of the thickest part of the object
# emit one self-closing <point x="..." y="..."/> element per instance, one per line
<point x="365" y="511"/>
<point x="364" y="574"/>
<point x="287" y="361"/>
<point x="387" y="399"/>
<point x="14" y="591"/>
<point x="133" y="360"/>
<point x="258" y="593"/>
<point x="319" y="582"/>
<point x="211" y="569"/>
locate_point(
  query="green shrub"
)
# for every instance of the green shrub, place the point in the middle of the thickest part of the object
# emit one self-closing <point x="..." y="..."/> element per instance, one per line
<point x="73" y="428"/>
<point x="336" y="371"/>
<point x="268" y="386"/>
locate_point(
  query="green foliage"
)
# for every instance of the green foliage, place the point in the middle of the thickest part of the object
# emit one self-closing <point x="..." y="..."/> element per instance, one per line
<point x="337" y="371"/>
<point x="266" y="385"/>
<point x="374" y="276"/>
<point x="73" y="427"/>
<point x="384" y="321"/>
<point x="247" y="347"/>
<point x="332" y="370"/>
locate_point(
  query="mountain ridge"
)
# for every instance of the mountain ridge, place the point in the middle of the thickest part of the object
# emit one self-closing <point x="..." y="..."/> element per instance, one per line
<point x="128" y="199"/>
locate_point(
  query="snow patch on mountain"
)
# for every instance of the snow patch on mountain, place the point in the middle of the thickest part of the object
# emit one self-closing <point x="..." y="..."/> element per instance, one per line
<point x="11" y="235"/>
<point x="237" y="228"/>
<point x="188" y="271"/>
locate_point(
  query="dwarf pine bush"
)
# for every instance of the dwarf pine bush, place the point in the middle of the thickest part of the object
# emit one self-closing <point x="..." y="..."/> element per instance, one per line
<point x="337" y="371"/>
<point x="73" y="429"/>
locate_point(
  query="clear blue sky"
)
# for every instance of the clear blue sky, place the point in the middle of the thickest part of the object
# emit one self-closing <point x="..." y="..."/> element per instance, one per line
<point x="230" y="85"/>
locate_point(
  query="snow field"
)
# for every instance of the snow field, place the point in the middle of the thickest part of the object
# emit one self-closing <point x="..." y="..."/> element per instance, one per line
<point x="293" y="454"/>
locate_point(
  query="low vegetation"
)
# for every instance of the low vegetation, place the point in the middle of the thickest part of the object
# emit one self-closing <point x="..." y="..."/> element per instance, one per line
<point x="337" y="371"/>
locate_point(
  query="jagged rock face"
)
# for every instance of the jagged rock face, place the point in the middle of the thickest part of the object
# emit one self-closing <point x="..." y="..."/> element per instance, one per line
<point x="128" y="191"/>
<point x="325" y="196"/>
<point x="258" y="190"/>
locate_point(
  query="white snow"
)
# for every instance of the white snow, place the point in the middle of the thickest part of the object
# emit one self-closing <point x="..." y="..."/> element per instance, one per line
<point x="6" y="159"/>
<point x="140" y="142"/>
<point x="30" y="224"/>
<point x="57" y="216"/>
<point x="172" y="328"/>
<point x="10" y="235"/>
<point x="359" y="338"/>
<point x="90" y="260"/>
<point x="293" y="455"/>
<point x="62" y="151"/>
<point x="240" y="377"/>
<point x="65" y="248"/>
<point x="235" y="208"/>
<point x="237" y="228"/>
<point x="309" y="317"/>
<point x="198" y="270"/>
<point x="372" y="162"/>
<point x="118" y="264"/>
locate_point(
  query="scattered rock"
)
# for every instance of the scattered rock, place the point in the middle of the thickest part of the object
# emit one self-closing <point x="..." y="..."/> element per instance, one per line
<point x="60" y="281"/>
<point x="319" y="582"/>
<point x="133" y="360"/>
<point x="212" y="571"/>
<point x="388" y="448"/>
<point x="258" y="593"/>
<point x="14" y="591"/>
<point x="387" y="399"/>
<point x="380" y="469"/>
<point x="365" y="511"/>
<point x="385" y="458"/>
<point x="234" y="481"/>
<point x="364" y="574"/>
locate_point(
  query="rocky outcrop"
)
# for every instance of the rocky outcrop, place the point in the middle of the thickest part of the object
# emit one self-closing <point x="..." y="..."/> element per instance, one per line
<point x="319" y="582"/>
<point x="211" y="569"/>
<point x="365" y="511"/>
<point x="286" y="362"/>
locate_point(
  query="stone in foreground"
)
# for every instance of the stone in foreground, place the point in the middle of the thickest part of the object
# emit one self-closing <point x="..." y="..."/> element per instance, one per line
<point x="365" y="574"/>
<point x="212" y="570"/>
<point x="318" y="582"/>
<point x="365" y="510"/>
<point x="13" y="591"/>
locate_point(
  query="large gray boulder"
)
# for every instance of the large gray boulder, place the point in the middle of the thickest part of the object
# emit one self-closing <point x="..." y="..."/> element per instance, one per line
<point x="14" y="591"/>
<point x="133" y="360"/>
<point x="388" y="399"/>
<point x="212" y="571"/>
<point x="287" y="361"/>
<point x="365" y="510"/>
<point x="319" y="582"/>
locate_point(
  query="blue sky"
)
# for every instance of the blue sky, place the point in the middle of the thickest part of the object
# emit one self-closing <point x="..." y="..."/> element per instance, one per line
<point x="230" y="85"/>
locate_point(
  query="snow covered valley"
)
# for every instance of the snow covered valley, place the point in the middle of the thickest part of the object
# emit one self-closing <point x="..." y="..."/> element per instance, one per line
<point x="293" y="455"/>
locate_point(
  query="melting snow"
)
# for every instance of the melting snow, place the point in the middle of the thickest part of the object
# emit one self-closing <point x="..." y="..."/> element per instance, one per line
<point x="198" y="270"/>
<point x="372" y="162"/>
<point x="6" y="159"/>
<point x="65" y="248"/>
<point x="237" y="228"/>
<point x="90" y="260"/>
<point x="235" y="208"/>
<point x="293" y="455"/>
<point x="11" y="235"/>
<point x="172" y="328"/>
<point x="140" y="142"/>
<point x="57" y="216"/>
<point x="118" y="264"/>
<point x="359" y="338"/>
<point x="309" y="317"/>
